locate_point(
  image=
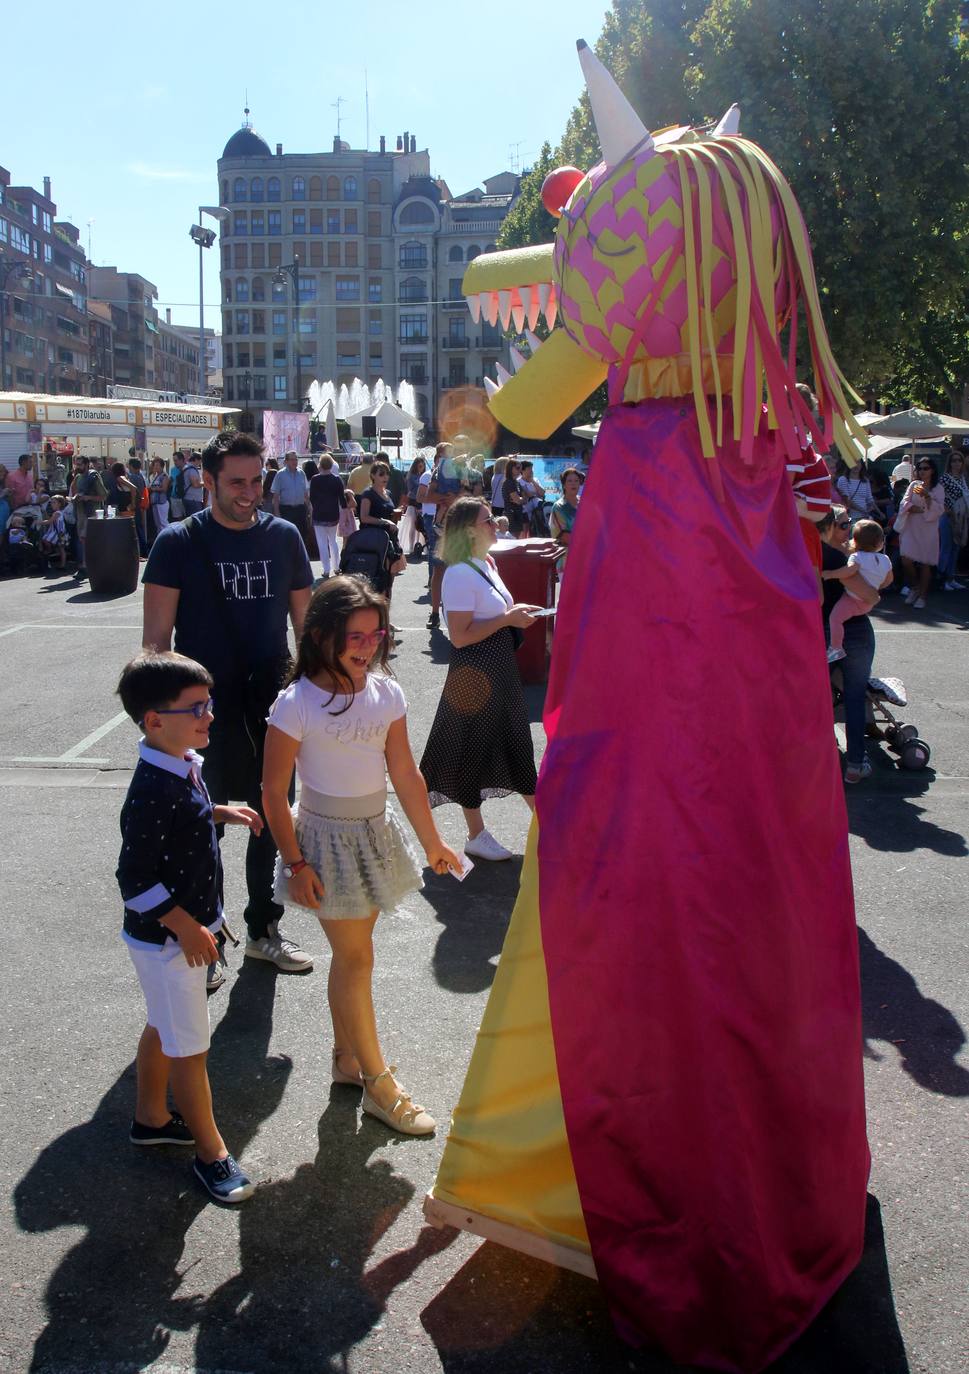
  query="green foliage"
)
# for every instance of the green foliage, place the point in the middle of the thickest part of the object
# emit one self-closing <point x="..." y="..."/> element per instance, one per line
<point x="529" y="222"/>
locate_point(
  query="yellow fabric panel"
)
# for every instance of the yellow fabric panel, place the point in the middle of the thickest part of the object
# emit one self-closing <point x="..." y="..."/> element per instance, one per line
<point x="507" y="1155"/>
<point x="553" y="383"/>
<point x="661" y="377"/>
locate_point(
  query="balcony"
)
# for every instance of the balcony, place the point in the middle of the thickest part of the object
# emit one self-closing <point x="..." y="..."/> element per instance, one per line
<point x="459" y="303"/>
<point x="408" y="339"/>
<point x="413" y="260"/>
<point x="413" y="297"/>
<point x="449" y="343"/>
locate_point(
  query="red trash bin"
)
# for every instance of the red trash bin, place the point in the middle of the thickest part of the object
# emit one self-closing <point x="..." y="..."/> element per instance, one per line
<point x="530" y="579"/>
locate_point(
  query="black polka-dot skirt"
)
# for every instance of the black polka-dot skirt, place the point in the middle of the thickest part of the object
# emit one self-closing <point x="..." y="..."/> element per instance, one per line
<point x="480" y="744"/>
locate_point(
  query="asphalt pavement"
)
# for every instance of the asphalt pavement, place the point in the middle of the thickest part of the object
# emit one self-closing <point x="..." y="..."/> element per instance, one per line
<point x="111" y="1260"/>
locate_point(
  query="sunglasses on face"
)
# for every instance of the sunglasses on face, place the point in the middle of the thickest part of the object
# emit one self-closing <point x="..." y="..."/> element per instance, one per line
<point x="198" y="709"/>
<point x="356" y="639"/>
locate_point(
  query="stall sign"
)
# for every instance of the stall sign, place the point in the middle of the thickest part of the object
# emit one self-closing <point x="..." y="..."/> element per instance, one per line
<point x="182" y="419"/>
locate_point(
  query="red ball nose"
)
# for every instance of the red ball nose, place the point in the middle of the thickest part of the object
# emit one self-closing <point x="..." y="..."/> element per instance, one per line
<point x="557" y="188"/>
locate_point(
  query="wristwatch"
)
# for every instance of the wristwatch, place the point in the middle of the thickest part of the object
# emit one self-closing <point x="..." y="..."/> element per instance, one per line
<point x="291" y="870"/>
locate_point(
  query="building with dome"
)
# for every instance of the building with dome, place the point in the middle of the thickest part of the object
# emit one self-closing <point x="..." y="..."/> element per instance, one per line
<point x="380" y="246"/>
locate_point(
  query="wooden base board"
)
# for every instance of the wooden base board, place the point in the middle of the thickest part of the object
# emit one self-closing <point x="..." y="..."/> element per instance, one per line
<point x="439" y="1213"/>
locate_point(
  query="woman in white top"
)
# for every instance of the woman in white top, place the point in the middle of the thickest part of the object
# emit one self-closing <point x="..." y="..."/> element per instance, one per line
<point x="342" y="722"/>
<point x="480" y="744"/>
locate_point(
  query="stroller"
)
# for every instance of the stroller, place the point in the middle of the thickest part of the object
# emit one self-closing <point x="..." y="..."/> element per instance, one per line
<point x="911" y="752"/>
<point x="370" y="553"/>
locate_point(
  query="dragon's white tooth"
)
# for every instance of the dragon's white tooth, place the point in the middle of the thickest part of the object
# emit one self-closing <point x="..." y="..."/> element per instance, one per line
<point x="534" y="342"/>
<point x="489" y="304"/>
<point x="503" y="374"/>
<point x="518" y="316"/>
<point x="544" y="287"/>
<point x="504" y="308"/>
<point x="518" y="360"/>
<point x="534" y="307"/>
<point x="491" y="387"/>
<point x="474" y="305"/>
<point x="552" y="307"/>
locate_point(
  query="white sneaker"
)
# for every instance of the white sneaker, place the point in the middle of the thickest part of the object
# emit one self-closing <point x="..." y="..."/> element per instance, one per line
<point x="906" y="591"/>
<point x="836" y="655"/>
<point x="911" y="597"/>
<point x="953" y="586"/>
<point x="918" y="604"/>
<point x="276" y="949"/>
<point x="485" y="846"/>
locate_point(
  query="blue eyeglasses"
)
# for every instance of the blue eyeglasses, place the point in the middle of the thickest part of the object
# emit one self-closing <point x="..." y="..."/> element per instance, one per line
<point x="198" y="709"/>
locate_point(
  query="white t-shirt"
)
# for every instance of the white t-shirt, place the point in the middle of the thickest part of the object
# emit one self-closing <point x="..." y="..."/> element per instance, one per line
<point x="340" y="755"/>
<point x="427" y="507"/>
<point x="466" y="590"/>
<point x="874" y="567"/>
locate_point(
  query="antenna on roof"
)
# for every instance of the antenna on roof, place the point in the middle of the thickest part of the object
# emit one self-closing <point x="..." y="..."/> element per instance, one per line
<point x="336" y="105"/>
<point x="366" y="98"/>
<point x="247" y="123"/>
<point x="514" y="157"/>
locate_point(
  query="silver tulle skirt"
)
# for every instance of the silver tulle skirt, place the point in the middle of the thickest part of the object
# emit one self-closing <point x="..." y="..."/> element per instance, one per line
<point x="359" y="849"/>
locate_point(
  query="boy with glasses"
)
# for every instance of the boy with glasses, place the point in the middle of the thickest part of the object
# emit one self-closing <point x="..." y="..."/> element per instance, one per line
<point x="170" y="875"/>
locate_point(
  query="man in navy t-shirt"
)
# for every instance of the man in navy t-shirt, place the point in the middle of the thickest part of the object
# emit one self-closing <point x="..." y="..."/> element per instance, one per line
<point x="226" y="581"/>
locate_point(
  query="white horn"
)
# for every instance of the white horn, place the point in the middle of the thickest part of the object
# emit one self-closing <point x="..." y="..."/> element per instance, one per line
<point x="730" y="124"/>
<point x="619" y="127"/>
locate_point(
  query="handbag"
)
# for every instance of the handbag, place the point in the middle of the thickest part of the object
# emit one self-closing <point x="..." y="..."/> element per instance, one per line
<point x="517" y="634"/>
<point x="347" y="523"/>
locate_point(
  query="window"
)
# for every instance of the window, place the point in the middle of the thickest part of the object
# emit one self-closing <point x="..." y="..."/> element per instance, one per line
<point x="259" y="355"/>
<point x="413" y="255"/>
<point x="243" y="356"/>
<point x="275" y="221"/>
<point x="307" y="322"/>
<point x="279" y="355"/>
<point x="279" y="290"/>
<point x="413" y="327"/>
<point x="455" y="254"/>
<point x="348" y="319"/>
<point x="229" y="388"/>
<point x="227" y="289"/>
<point x="373" y="191"/>
<point x="279" y="387"/>
<point x="240" y="255"/>
<point x="316" y="188"/>
<point x="299" y="221"/>
<point x="456" y="334"/>
<point x="454" y="292"/>
<point x="279" y="322"/>
<point x="375" y="324"/>
<point x="242" y="289"/>
<point x="417" y="212"/>
<point x="240" y="191"/>
<point x="227" y="353"/>
<point x="240" y="222"/>
<point x="259" y="388"/>
<point x="316" y="255"/>
<point x="307" y="288"/>
<point x="225" y="192"/>
<point x="491" y="335"/>
<point x="19" y="240"/>
<point x="299" y="250"/>
<point x="4" y="230"/>
<point x="376" y="354"/>
<point x="333" y="188"/>
<point x="348" y="288"/>
<point x="258" y="221"/>
<point x="242" y="321"/>
<point x="259" y="255"/>
<point x="414" y="368"/>
<point x="373" y="223"/>
<point x="350" y="222"/>
<point x="46" y="220"/>
<point x="333" y="255"/>
<point x="474" y="251"/>
<point x="259" y="322"/>
<point x="255" y="188"/>
<point x="307" y="355"/>
<point x="351" y="255"/>
<point x="413" y="289"/>
<point x="332" y="221"/>
<point x="374" y="257"/>
<point x="348" y="355"/>
<point x="275" y="255"/>
<point x="299" y="189"/>
<point x="375" y="289"/>
<point x="259" y="288"/>
<point x="273" y="189"/>
<point x="349" y="188"/>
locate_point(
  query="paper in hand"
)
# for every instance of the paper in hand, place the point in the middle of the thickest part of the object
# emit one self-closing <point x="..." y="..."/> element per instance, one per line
<point x="466" y="867"/>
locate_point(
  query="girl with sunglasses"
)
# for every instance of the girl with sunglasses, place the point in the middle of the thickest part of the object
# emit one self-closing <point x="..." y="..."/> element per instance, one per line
<point x="342" y="721"/>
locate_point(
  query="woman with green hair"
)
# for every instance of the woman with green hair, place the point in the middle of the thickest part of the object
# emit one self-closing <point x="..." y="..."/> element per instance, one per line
<point x="480" y="744"/>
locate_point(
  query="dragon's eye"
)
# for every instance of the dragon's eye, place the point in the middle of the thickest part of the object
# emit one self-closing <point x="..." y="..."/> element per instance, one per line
<point x="558" y="188"/>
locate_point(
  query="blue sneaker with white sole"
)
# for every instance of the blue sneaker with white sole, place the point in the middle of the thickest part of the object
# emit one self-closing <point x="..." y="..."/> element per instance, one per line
<point x="223" y="1180"/>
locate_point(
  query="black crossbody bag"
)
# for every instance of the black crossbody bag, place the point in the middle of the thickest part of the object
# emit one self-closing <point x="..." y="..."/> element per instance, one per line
<point x="517" y="635"/>
<point x="254" y="690"/>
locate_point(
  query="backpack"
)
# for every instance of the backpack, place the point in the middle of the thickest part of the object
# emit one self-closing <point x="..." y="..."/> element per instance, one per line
<point x="369" y="553"/>
<point x="177" y="491"/>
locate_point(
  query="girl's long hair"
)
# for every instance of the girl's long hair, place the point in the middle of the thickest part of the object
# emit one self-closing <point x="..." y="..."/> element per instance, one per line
<point x="324" y="636"/>
<point x="457" y="546"/>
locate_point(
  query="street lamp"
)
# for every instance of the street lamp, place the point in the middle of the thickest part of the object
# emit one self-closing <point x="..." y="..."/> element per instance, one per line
<point x="9" y="267"/>
<point x="205" y="239"/>
<point x="292" y="271"/>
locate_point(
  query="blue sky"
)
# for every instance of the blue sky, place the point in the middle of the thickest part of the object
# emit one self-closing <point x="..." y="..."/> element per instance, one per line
<point x="127" y="109"/>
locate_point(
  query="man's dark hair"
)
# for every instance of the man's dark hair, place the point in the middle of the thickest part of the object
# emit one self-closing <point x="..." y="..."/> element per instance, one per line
<point x="135" y="463"/>
<point x="230" y="443"/>
<point x="152" y="681"/>
<point x="132" y="452"/>
<point x="24" y="458"/>
<point x="382" y="458"/>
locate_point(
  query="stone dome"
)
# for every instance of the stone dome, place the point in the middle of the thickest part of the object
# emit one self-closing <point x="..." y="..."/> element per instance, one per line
<point x="245" y="142"/>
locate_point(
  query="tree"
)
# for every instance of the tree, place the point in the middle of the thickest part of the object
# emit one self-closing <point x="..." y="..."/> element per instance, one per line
<point x="528" y="221"/>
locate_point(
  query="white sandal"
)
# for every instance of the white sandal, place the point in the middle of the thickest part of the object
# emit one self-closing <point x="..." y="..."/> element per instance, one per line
<point x="406" y="1116"/>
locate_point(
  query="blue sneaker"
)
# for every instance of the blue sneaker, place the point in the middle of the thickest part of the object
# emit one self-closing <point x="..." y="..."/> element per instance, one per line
<point x="223" y="1180"/>
<point x="175" y="1132"/>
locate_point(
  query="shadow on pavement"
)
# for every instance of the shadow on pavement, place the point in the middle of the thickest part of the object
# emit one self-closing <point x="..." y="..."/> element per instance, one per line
<point x="503" y="1313"/>
<point x="111" y="1300"/>
<point x="887" y="816"/>
<point x="94" y="598"/>
<point x="301" y="1300"/>
<point x="926" y="1035"/>
<point x="475" y="916"/>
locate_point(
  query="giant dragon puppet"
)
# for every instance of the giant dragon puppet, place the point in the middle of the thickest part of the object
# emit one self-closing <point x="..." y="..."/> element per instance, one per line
<point x="666" y="1090"/>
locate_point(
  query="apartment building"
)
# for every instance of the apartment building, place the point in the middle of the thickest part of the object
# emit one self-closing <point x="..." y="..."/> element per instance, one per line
<point x="330" y="269"/>
<point x="176" y="359"/>
<point x="43" y="295"/>
<point x="134" y="318"/>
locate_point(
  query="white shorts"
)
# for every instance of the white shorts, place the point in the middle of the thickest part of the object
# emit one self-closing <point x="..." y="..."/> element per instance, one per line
<point x="175" y="997"/>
